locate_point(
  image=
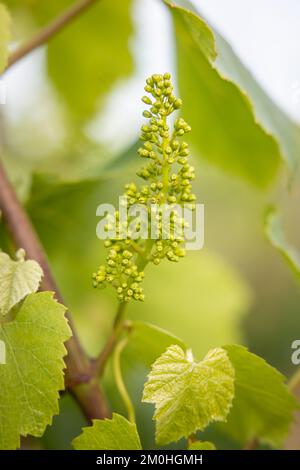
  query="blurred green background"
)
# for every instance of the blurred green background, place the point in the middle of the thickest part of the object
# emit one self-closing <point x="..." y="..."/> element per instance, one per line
<point x="71" y="145"/>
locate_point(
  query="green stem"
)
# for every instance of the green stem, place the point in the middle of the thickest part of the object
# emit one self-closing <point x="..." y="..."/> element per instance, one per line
<point x="137" y="248"/>
<point x="101" y="361"/>
<point x="166" y="167"/>
<point x="119" y="379"/>
<point x="143" y="259"/>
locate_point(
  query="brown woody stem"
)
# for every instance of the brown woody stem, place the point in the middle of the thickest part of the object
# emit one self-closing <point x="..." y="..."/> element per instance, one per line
<point x="79" y="378"/>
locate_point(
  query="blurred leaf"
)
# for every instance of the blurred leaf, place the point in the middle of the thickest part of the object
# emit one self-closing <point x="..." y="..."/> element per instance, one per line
<point x="194" y="296"/>
<point x="4" y="36"/>
<point x="89" y="55"/>
<point x="199" y="445"/>
<point x="276" y="236"/>
<point x="245" y="135"/>
<point x="17" y="279"/>
<point x="32" y="376"/>
<point x="148" y="342"/>
<point x="188" y="395"/>
<point x="263" y="406"/>
<point x="64" y="215"/>
<point x="109" y="434"/>
<point x="62" y="208"/>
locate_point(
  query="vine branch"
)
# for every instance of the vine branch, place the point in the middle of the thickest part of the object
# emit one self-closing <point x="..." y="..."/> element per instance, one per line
<point x="50" y="30"/>
<point x="79" y="376"/>
<point x="100" y="362"/>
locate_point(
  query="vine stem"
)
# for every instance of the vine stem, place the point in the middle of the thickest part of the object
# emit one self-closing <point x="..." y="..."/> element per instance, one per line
<point x="100" y="362"/>
<point x="79" y="377"/>
<point x="55" y="26"/>
<point x="119" y="379"/>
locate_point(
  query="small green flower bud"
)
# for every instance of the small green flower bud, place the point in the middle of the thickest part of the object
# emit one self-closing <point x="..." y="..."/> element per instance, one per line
<point x="146" y="100"/>
<point x="177" y="103"/>
<point x="157" y="78"/>
<point x="147" y="114"/>
<point x="146" y="129"/>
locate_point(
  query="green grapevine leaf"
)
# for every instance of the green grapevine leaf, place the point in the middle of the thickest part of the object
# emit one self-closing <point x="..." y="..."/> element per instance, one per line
<point x="199" y="445"/>
<point x="147" y="342"/>
<point x="17" y="279"/>
<point x="276" y="236"/>
<point x="4" y="36"/>
<point x="109" y="434"/>
<point x="219" y="94"/>
<point x="32" y="376"/>
<point x="188" y="395"/>
<point x="263" y="406"/>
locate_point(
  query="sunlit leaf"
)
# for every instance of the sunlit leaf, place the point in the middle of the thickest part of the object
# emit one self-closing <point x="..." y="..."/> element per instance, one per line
<point x="202" y="445"/>
<point x="17" y="279"/>
<point x="109" y="434"/>
<point x="32" y="376"/>
<point x="188" y="395"/>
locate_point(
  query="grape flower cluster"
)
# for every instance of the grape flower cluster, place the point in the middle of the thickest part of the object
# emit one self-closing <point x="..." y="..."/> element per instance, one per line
<point x="167" y="175"/>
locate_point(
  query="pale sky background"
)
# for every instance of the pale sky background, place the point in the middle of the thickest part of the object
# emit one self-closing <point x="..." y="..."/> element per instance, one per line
<point x="264" y="33"/>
